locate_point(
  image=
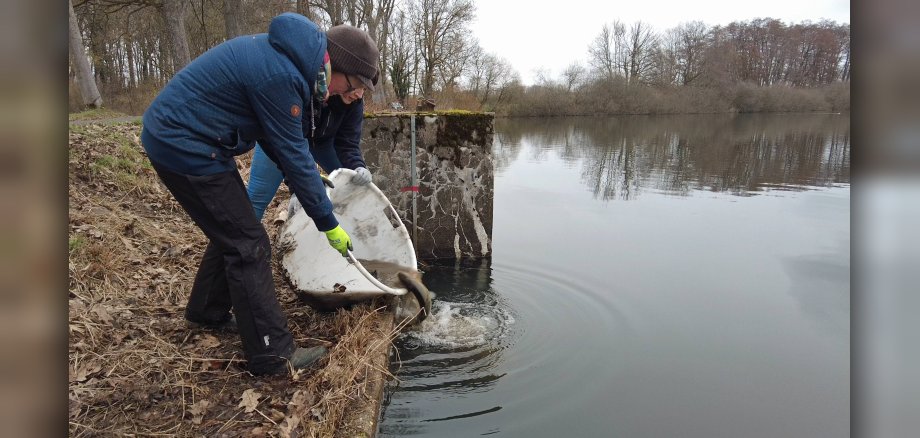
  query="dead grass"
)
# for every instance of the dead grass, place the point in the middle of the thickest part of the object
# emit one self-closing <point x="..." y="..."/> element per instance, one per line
<point x="135" y="369"/>
<point x="95" y="114"/>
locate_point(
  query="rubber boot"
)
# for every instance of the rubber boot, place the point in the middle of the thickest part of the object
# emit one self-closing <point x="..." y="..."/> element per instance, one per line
<point x="303" y="357"/>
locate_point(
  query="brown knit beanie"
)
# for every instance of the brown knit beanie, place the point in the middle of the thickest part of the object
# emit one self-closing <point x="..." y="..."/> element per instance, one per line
<point x="353" y="52"/>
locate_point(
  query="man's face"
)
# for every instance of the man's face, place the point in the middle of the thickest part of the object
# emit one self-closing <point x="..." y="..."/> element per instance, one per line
<point x="349" y="87"/>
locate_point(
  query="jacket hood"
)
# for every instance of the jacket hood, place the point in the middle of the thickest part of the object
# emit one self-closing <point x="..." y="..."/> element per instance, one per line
<point x="301" y="40"/>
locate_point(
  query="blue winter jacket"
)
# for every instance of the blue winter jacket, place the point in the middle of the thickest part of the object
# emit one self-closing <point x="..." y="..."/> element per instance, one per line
<point x="339" y="128"/>
<point x="251" y="88"/>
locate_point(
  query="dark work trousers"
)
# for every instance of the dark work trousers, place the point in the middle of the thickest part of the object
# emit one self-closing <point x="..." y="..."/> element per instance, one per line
<point x="236" y="268"/>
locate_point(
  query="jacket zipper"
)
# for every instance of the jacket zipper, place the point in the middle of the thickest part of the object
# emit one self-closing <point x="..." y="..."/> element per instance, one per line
<point x="312" y="122"/>
<point x="328" y="116"/>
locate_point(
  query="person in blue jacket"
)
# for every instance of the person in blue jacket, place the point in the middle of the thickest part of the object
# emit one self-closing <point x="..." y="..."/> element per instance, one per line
<point x="335" y="141"/>
<point x="251" y="88"/>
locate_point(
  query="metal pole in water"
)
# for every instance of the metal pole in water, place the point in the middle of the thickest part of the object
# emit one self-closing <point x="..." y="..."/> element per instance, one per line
<point x="414" y="191"/>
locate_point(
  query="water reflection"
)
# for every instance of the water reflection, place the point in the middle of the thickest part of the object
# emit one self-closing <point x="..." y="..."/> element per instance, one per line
<point x="738" y="154"/>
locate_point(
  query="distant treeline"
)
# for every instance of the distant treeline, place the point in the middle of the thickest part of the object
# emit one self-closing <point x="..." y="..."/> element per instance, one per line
<point x="761" y="65"/>
<point x="428" y="51"/>
<point x="611" y="97"/>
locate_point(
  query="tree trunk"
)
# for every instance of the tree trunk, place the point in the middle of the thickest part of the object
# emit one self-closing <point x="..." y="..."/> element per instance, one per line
<point x="233" y="22"/>
<point x="303" y="8"/>
<point x="88" y="89"/>
<point x="174" y="15"/>
<point x="132" y="72"/>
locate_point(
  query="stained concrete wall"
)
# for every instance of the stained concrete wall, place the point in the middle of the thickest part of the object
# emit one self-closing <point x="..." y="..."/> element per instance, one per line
<point x="455" y="178"/>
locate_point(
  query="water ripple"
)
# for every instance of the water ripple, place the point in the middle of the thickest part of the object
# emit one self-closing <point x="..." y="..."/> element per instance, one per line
<point x="478" y="336"/>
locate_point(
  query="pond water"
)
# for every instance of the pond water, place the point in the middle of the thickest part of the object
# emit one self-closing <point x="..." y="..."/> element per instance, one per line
<point x="651" y="277"/>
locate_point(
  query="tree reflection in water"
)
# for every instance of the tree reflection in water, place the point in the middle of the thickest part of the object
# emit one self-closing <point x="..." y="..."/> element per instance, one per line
<point x="739" y="154"/>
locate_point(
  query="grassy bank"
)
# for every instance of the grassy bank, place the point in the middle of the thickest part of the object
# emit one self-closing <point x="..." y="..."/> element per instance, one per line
<point x="134" y="367"/>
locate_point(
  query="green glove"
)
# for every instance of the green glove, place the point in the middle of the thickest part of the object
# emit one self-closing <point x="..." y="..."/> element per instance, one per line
<point x="339" y="239"/>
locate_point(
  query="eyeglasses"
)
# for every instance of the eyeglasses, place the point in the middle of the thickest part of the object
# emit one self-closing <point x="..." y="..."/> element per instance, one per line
<point x="351" y="88"/>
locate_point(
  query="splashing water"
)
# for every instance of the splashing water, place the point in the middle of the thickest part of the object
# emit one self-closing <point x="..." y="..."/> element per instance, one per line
<point x="459" y="325"/>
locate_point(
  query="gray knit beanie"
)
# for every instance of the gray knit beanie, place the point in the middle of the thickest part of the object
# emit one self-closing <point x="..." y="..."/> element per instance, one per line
<point x="353" y="52"/>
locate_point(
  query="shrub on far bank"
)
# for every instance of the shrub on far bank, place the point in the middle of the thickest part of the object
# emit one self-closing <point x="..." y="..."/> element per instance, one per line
<point x="750" y="98"/>
<point x="615" y="98"/>
<point x="838" y="96"/>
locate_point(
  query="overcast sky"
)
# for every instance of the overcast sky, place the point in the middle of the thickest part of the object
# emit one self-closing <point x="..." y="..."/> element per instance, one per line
<point x="534" y="34"/>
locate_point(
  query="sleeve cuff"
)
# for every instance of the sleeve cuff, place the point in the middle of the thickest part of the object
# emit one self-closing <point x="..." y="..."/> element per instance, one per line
<point x="326" y="222"/>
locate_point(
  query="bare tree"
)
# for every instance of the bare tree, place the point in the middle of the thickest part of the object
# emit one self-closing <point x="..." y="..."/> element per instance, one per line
<point x="303" y="8"/>
<point x="233" y="20"/>
<point x="771" y="47"/>
<point x="721" y="60"/>
<point x="689" y="42"/>
<point x="844" y="35"/>
<point x="426" y="44"/>
<point x="373" y="15"/>
<point x="439" y="25"/>
<point x="573" y="75"/>
<point x="174" y="15"/>
<point x="831" y="58"/>
<point x="156" y="55"/>
<point x="543" y="77"/>
<point x="489" y="77"/>
<point x="88" y="90"/>
<point x="401" y="67"/>
<point x="766" y="52"/>
<point x="335" y="10"/>
<point x="508" y="84"/>
<point x="450" y="70"/>
<point x="666" y="63"/>
<point x="476" y="70"/>
<point x="640" y="52"/>
<point x="605" y="52"/>
<point x="369" y="14"/>
<point x="376" y="16"/>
